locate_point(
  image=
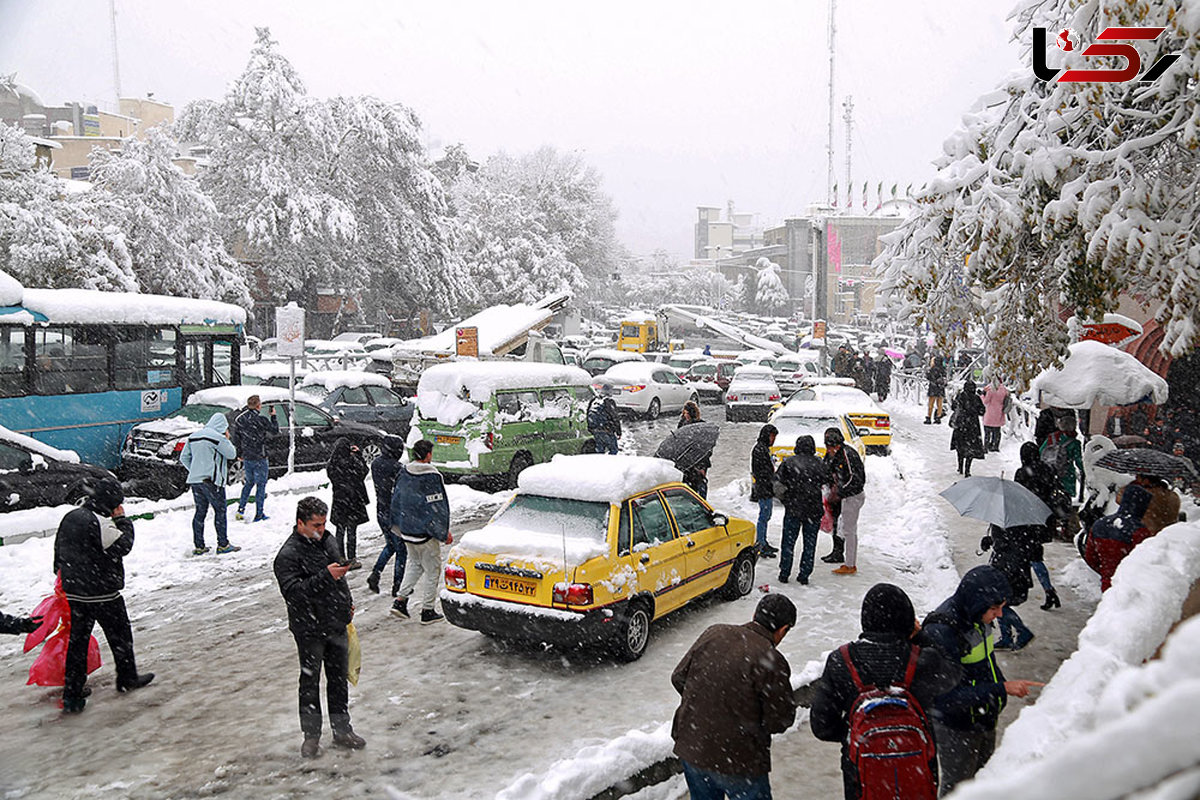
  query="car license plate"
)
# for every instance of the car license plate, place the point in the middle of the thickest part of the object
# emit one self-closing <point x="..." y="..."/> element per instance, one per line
<point x="753" y="398"/>
<point x="503" y="583"/>
<point x="448" y="440"/>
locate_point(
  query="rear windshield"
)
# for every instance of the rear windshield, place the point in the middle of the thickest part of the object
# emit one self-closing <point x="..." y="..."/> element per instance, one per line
<point x="791" y="427"/>
<point x="574" y="519"/>
<point x="601" y="364"/>
<point x="199" y="412"/>
<point x="704" y="369"/>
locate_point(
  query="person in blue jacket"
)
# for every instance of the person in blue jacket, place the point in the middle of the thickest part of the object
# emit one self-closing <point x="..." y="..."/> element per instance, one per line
<point x="421" y="516"/>
<point x="206" y="455"/>
<point x="250" y="433"/>
<point x="964" y="718"/>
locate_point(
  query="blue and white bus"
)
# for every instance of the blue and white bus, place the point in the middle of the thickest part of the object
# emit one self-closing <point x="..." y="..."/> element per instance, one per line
<point x="79" y="368"/>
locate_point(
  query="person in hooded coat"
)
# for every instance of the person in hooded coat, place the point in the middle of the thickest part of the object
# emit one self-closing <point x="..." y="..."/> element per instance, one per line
<point x="206" y="455"/>
<point x="964" y="718"/>
<point x="347" y="473"/>
<point x="801" y="476"/>
<point x="762" y="477"/>
<point x="883" y="376"/>
<point x="1114" y="537"/>
<point x="1012" y="550"/>
<point x="384" y="470"/>
<point x="1038" y="478"/>
<point x="966" y="438"/>
<point x="880" y="655"/>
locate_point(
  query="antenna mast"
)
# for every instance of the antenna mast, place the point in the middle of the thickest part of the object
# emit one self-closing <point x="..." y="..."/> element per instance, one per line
<point x="829" y="133"/>
<point x="848" y="117"/>
<point x="112" y="18"/>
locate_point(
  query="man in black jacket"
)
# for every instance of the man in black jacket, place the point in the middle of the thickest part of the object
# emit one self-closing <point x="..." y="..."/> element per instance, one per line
<point x="91" y="542"/>
<point x="603" y="422"/>
<point x="319" y="608"/>
<point x="802" y="477"/>
<point x="11" y="624"/>
<point x="250" y="433"/>
<point x="847" y="480"/>
<point x="762" y="476"/>
<point x="881" y="655"/>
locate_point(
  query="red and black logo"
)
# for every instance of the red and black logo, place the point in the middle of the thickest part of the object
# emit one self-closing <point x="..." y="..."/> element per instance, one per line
<point x="1133" y="61"/>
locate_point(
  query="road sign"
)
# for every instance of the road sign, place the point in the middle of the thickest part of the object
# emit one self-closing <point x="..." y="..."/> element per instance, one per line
<point x="289" y="330"/>
<point x="466" y="341"/>
<point x="819" y="329"/>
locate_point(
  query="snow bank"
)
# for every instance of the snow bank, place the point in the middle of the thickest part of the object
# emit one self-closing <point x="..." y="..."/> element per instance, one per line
<point x="597" y="477"/>
<point x="444" y="389"/>
<point x="11" y="290"/>
<point x="29" y="443"/>
<point x="1097" y="373"/>
<point x="1107" y="723"/>
<point x="85" y="305"/>
<point x="349" y="378"/>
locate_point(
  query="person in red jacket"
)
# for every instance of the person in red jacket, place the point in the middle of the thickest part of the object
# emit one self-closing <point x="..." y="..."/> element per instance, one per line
<point x="1114" y="537"/>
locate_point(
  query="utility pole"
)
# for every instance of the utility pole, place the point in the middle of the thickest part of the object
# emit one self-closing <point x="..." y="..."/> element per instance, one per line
<point x="829" y="197"/>
<point x="848" y="117"/>
<point x="112" y="18"/>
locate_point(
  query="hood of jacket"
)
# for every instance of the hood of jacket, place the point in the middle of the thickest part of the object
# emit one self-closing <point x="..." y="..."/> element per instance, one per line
<point x="1134" y="503"/>
<point x="765" y="433"/>
<point x="1029" y="454"/>
<point x="887" y="611"/>
<point x="805" y="446"/>
<point x="217" y="422"/>
<point x="980" y="589"/>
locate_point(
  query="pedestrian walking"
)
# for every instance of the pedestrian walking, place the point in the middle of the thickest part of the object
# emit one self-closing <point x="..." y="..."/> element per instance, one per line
<point x="843" y="361"/>
<point x="762" y="478"/>
<point x="889" y="754"/>
<point x="935" y="376"/>
<point x="1012" y="554"/>
<point x="965" y="717"/>
<point x="689" y="414"/>
<point x="696" y="474"/>
<point x="1040" y="479"/>
<point x="1063" y="451"/>
<point x="995" y="398"/>
<point x="347" y="473"/>
<point x="421" y="516"/>
<point x="603" y="422"/>
<point x="89" y="550"/>
<point x="384" y="470"/>
<point x="250" y="433"/>
<point x="319" y="608"/>
<point x="846" y="487"/>
<point x="858" y="372"/>
<point x="206" y="455"/>
<point x="966" y="438"/>
<point x="801" y="477"/>
<point x="883" y="376"/>
<point x="735" y="692"/>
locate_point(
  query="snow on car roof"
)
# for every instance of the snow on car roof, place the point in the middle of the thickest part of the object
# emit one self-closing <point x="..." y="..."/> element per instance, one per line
<point x="480" y="378"/>
<point x="85" y="305"/>
<point x="349" y="378"/>
<point x="615" y="355"/>
<point x="597" y="477"/>
<point x="634" y="370"/>
<point x="639" y="317"/>
<point x="753" y="372"/>
<point x="846" y="397"/>
<point x="808" y="408"/>
<point x="29" y="443"/>
<point x="235" y="396"/>
<point x="272" y="369"/>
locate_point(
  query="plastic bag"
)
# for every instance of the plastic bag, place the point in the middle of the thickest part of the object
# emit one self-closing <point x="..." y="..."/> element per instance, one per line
<point x="355" y="649"/>
<point x="827" y="517"/>
<point x="50" y="665"/>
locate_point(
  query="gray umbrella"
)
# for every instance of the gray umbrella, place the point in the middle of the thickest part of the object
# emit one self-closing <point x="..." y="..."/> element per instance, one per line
<point x="1144" y="461"/>
<point x="689" y="445"/>
<point x="998" y="501"/>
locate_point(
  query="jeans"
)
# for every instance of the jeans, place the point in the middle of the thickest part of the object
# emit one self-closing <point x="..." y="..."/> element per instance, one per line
<point x="425" y="565"/>
<point x="256" y="479"/>
<point x="205" y="495"/>
<point x="766" y="505"/>
<point x="392" y="545"/>
<point x="961" y="753"/>
<point x="1043" y="575"/>
<point x="114" y="621"/>
<point x="848" y="523"/>
<point x="793" y="526"/>
<point x="332" y="651"/>
<point x="1010" y="622"/>
<point x="605" y="442"/>
<point x="705" y="785"/>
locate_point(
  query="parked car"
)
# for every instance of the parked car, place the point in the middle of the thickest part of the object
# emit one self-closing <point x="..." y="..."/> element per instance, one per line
<point x="751" y="394"/>
<point x="591" y="550"/>
<point x="763" y="358"/>
<point x="599" y="360"/>
<point x="792" y="371"/>
<point x="356" y="337"/>
<point x="365" y="397"/>
<point x="646" y="388"/>
<point x="34" y="474"/>
<point x="872" y="423"/>
<point x="493" y="419"/>
<point x="813" y="420"/>
<point x="682" y="361"/>
<point x="150" y="456"/>
<point x="271" y="373"/>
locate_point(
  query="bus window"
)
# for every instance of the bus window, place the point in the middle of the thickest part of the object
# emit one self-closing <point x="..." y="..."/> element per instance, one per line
<point x="145" y="357"/>
<point x="193" y="363"/>
<point x="12" y="362"/>
<point x="70" y="361"/>
<point x="222" y="363"/>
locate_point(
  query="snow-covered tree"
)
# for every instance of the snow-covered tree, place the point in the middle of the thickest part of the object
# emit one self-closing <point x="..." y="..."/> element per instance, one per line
<point x="770" y="296"/>
<point x="738" y="295"/>
<point x="1057" y="197"/>
<point x="171" y="226"/>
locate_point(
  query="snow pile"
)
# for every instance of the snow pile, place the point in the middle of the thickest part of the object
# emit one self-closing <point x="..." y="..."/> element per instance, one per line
<point x="271" y="369"/>
<point x="1096" y="373"/>
<point x="597" y="477"/>
<point x="1107" y="723"/>
<point x="345" y="378"/>
<point x="497" y="326"/>
<point x="235" y="396"/>
<point x="29" y="443"/>
<point x="11" y="290"/>
<point x="444" y="389"/>
<point x="84" y="305"/>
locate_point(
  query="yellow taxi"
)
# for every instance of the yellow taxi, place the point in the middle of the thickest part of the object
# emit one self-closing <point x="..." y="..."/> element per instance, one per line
<point x="812" y="419"/>
<point x="591" y="549"/>
<point x="874" y="425"/>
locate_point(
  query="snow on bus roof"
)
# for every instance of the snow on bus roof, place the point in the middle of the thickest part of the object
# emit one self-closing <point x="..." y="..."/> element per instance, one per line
<point x="88" y="306"/>
<point x="597" y="477"/>
<point x="38" y="447"/>
<point x="338" y="378"/>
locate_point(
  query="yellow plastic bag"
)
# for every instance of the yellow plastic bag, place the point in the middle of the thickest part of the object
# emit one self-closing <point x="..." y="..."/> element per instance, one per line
<point x="355" y="649"/>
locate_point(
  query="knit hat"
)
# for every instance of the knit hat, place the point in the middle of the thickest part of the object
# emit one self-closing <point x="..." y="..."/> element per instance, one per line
<point x="106" y="496"/>
<point x="887" y="609"/>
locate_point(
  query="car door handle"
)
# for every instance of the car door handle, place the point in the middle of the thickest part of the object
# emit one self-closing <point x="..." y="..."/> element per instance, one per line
<point x="690" y="543"/>
<point x="645" y="559"/>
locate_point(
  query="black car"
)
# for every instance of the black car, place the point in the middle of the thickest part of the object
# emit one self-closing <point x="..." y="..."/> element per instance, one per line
<point x="150" y="458"/>
<point x="32" y="476"/>
<point x="363" y="397"/>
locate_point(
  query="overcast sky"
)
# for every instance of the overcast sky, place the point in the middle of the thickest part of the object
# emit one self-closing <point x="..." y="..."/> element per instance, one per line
<point x="678" y="104"/>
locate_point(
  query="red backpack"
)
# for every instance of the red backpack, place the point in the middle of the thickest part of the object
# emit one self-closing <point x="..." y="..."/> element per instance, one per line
<point x="889" y="741"/>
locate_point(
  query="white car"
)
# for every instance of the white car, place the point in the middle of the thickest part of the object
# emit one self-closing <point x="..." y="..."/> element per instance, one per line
<point x="751" y="394"/>
<point x="645" y="388"/>
<point x="682" y="361"/>
<point x="762" y="358"/>
<point x="793" y="371"/>
<point x="600" y="359"/>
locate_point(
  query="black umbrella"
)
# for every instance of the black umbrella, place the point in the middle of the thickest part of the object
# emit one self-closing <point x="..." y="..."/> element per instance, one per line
<point x="689" y="445"/>
<point x="1144" y="461"/>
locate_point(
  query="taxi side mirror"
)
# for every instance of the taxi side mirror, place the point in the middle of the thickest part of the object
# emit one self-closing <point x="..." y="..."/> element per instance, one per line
<point x="718" y="519"/>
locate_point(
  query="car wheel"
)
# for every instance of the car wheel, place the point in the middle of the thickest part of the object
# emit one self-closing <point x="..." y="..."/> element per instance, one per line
<point x="654" y="409"/>
<point x="634" y="633"/>
<point x="728" y="415"/>
<point x="371" y="451"/>
<point x="77" y="494"/>
<point x="741" y="577"/>
<point x="589" y="446"/>
<point x="237" y="472"/>
<point x="518" y="464"/>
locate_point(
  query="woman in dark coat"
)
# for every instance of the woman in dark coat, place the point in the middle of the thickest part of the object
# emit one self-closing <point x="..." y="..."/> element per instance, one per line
<point x="1038" y="478"/>
<point x="967" y="436"/>
<point x="347" y="473"/>
<point x="1012" y="552"/>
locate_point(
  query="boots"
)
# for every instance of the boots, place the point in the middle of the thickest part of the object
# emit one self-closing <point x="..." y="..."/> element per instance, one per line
<point x="838" y="554"/>
<point x="373" y="582"/>
<point x="1052" y="600"/>
<point x="928" y="421"/>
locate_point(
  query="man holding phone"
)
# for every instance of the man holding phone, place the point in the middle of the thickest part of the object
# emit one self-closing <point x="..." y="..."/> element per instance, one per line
<point x="312" y="579"/>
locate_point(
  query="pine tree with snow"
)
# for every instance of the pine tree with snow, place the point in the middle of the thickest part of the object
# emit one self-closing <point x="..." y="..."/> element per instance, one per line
<point x="770" y="296"/>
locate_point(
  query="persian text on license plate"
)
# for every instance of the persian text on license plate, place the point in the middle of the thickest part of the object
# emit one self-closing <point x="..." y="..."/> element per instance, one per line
<point x="448" y="440"/>
<point x="503" y="583"/>
<point x="754" y="398"/>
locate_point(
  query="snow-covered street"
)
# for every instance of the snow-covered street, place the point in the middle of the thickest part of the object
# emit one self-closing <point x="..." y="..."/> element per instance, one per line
<point x="449" y="713"/>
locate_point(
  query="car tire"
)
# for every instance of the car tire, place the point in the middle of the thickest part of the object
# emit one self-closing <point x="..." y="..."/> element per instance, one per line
<point x="729" y="416"/>
<point x="77" y="494"/>
<point x="372" y="450"/>
<point x="515" y="467"/>
<point x="654" y="409"/>
<point x="589" y="446"/>
<point x="237" y="472"/>
<point x="741" y="577"/>
<point x="634" y="632"/>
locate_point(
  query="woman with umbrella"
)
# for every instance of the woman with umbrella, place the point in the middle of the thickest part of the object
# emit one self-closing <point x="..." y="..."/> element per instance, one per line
<point x="1012" y="550"/>
<point x="690" y="448"/>
<point x="696" y="474"/>
<point x="967" y="438"/>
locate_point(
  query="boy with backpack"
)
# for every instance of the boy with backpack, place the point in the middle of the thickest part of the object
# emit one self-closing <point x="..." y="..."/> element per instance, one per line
<point x="872" y="698"/>
<point x="603" y="422"/>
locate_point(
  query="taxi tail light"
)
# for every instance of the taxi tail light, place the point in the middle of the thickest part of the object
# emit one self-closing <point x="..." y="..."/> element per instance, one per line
<point x="489" y="441"/>
<point x="637" y="387"/>
<point x="732" y="398"/>
<point x="773" y="397"/>
<point x="883" y="423"/>
<point x="575" y="594"/>
<point x="179" y="446"/>
<point x="456" y="577"/>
